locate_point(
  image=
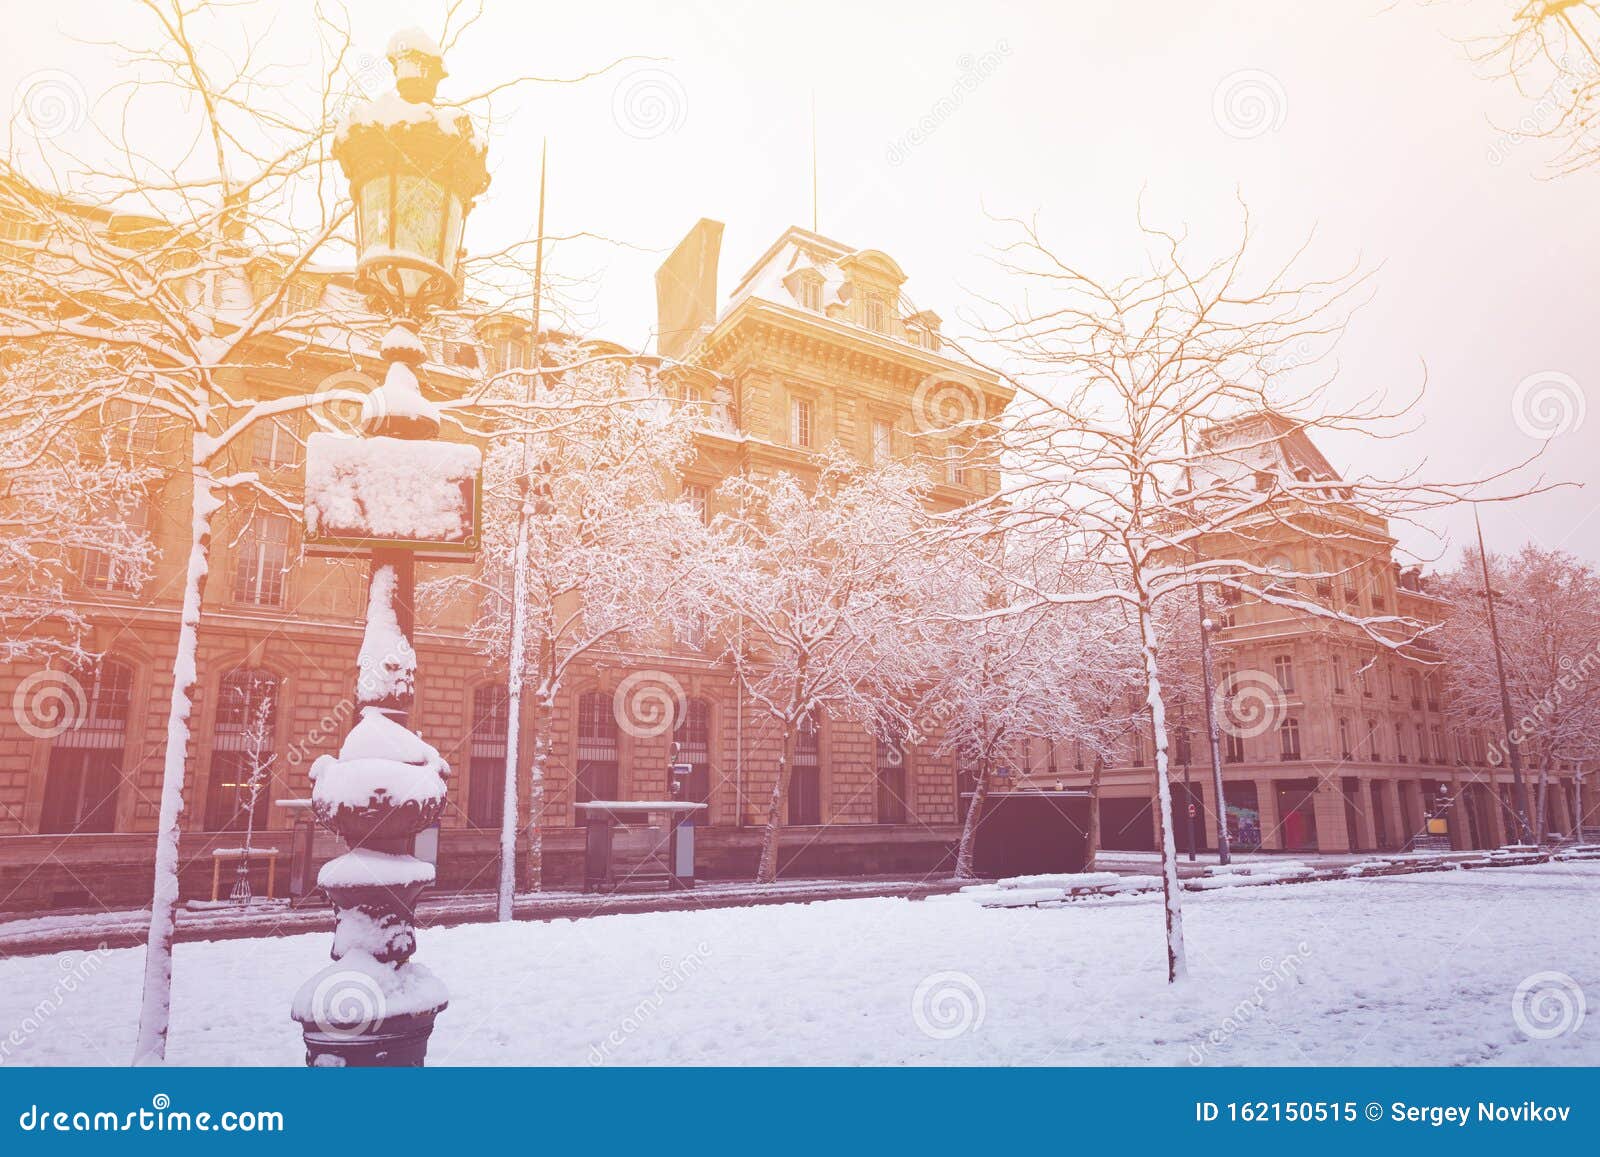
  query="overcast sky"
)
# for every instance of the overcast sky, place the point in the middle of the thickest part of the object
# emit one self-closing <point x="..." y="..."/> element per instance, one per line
<point x="1375" y="131"/>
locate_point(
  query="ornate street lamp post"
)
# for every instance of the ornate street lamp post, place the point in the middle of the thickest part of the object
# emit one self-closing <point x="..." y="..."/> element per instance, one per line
<point x="414" y="170"/>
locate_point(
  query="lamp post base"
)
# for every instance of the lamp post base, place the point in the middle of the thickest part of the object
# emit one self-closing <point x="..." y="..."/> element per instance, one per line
<point x="398" y="1042"/>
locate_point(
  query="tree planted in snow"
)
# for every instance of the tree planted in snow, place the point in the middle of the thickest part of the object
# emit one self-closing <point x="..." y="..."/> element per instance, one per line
<point x="816" y="585"/>
<point x="1547" y="606"/>
<point x="194" y="253"/>
<point x="602" y="552"/>
<point x="1157" y="428"/>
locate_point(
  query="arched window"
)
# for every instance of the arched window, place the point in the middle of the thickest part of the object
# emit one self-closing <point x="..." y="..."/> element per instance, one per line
<point x="242" y="750"/>
<point x="486" y="769"/>
<point x="597" y="749"/>
<point x="83" y="779"/>
<point x="805" y="781"/>
<point x="693" y="737"/>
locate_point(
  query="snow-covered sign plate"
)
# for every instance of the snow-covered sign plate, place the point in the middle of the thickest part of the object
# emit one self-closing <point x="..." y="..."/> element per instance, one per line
<point x="373" y="493"/>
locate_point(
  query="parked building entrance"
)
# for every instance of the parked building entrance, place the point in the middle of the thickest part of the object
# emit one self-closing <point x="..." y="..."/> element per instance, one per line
<point x="1297" y="815"/>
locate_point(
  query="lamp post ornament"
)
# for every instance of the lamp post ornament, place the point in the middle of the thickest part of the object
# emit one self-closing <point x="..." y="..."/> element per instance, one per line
<point x="414" y="170"/>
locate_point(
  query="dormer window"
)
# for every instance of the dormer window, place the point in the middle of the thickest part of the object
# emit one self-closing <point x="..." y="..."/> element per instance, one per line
<point x="811" y="294"/>
<point x="876" y="314"/>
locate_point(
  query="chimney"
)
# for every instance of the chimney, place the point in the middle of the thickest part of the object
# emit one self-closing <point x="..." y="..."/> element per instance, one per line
<point x="686" y="289"/>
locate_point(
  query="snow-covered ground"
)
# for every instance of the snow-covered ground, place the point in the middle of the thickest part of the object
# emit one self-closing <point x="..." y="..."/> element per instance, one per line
<point x="1421" y="969"/>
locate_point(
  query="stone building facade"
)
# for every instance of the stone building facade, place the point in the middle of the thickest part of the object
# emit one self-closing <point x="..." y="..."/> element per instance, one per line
<point x="814" y="346"/>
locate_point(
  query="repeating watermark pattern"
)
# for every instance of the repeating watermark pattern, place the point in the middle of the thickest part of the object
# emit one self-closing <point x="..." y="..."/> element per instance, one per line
<point x="342" y="400"/>
<point x="649" y="103"/>
<point x="648" y="703"/>
<point x="1574" y="675"/>
<point x="1275" y="974"/>
<point x="1249" y="703"/>
<point x="942" y="403"/>
<point x="1547" y="112"/>
<point x="348" y="1003"/>
<point x="1548" y="404"/>
<point x="49" y="103"/>
<point x="1249" y="103"/>
<point x="674" y="975"/>
<point x="49" y="702"/>
<point x="947" y="1005"/>
<point x="76" y="969"/>
<point x="1547" y="1005"/>
<point x="971" y="71"/>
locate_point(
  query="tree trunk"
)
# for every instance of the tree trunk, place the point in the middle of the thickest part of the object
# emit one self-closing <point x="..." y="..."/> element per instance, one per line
<point x="544" y="712"/>
<point x="155" y="1008"/>
<point x="1092" y="852"/>
<point x="767" y="872"/>
<point x="514" y="672"/>
<point x="969" y="829"/>
<point x="1543" y="828"/>
<point x="1172" y="892"/>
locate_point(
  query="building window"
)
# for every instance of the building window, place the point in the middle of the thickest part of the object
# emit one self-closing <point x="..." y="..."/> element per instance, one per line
<point x="1283" y="671"/>
<point x="1364" y="680"/>
<point x="84" y="775"/>
<point x="1338" y="673"/>
<point x="103" y="571"/>
<point x="805" y="778"/>
<point x="261" y="559"/>
<point x="955" y="463"/>
<point x="1373" y="751"/>
<point x="1232" y="748"/>
<point x="133" y="426"/>
<point x="1345" y="751"/>
<point x="1400" y="744"/>
<point x="1414" y="685"/>
<point x="274" y="444"/>
<point x="699" y="500"/>
<point x="800" y="430"/>
<point x="1289" y="739"/>
<point x="1438" y="744"/>
<point x="811" y="294"/>
<point x="876" y="314"/>
<point x="693" y="739"/>
<point x="508" y="352"/>
<point x="299" y="297"/>
<point x="242" y="751"/>
<point x="891" y="768"/>
<point x="486" y="771"/>
<point x="597" y="750"/>
<point x="882" y="440"/>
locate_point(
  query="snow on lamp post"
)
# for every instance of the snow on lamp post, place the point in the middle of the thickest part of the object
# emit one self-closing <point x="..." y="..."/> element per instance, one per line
<point x="396" y="491"/>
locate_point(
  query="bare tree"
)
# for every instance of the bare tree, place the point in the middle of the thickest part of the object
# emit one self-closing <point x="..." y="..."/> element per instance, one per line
<point x="602" y="559"/>
<point x="1156" y="427"/>
<point x="813" y="586"/>
<point x="1548" y="609"/>
<point x="192" y="251"/>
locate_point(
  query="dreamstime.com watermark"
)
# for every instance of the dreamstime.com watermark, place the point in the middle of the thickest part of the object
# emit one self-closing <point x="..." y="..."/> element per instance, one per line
<point x="649" y="103"/>
<point x="160" y="1117"/>
<point x="1275" y="974"/>
<point x="971" y="71"/>
<point x="49" y="702"/>
<point x="1548" y="404"/>
<point x="1249" y="103"/>
<point x="674" y="975"/>
<point x="1547" y="112"/>
<point x="76" y="969"/>
<point x="946" y="1005"/>
<point x="1574" y="675"/>
<point x="648" y="703"/>
<point x="1249" y="703"/>
<point x="1547" y="1005"/>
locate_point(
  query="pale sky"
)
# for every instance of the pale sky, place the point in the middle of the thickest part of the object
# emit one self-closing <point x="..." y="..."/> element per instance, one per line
<point x="1380" y="135"/>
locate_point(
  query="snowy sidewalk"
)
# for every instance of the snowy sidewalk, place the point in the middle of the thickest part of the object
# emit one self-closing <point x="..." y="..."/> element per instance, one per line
<point x="1447" y="968"/>
<point x="36" y="935"/>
